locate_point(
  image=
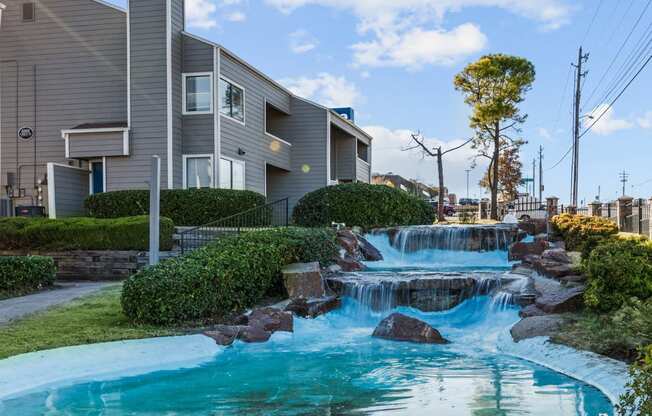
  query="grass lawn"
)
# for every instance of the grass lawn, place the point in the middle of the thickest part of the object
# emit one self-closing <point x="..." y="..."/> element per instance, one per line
<point x="95" y="318"/>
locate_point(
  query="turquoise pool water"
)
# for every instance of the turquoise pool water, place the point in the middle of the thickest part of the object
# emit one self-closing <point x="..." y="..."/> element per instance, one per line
<point x="332" y="366"/>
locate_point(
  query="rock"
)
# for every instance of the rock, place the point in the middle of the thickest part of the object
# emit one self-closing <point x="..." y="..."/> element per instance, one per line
<point x="524" y="299"/>
<point x="226" y="334"/>
<point x="519" y="250"/>
<point x="562" y="300"/>
<point x="334" y="268"/>
<point x="552" y="269"/>
<point x="533" y="226"/>
<point x="557" y="255"/>
<point x="349" y="242"/>
<point x="536" y="326"/>
<point x="271" y="320"/>
<point x="369" y="252"/>
<point x="529" y="260"/>
<point x="311" y="308"/>
<point x="399" y="327"/>
<point x="530" y="310"/>
<point x="303" y="280"/>
<point x="349" y="264"/>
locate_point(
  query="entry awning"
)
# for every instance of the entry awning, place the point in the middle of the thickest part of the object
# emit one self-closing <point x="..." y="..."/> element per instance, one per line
<point x="92" y="140"/>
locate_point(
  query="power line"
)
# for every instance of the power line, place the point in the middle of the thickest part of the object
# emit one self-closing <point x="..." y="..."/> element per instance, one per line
<point x="563" y="98"/>
<point x="620" y="49"/>
<point x="618" y="96"/>
<point x="588" y="29"/>
<point x="560" y="160"/>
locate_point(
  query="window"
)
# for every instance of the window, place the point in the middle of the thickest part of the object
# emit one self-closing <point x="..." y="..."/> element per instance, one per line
<point x="198" y="171"/>
<point x="28" y="12"/>
<point x="363" y="151"/>
<point x="198" y="93"/>
<point x="232" y="174"/>
<point x="232" y="100"/>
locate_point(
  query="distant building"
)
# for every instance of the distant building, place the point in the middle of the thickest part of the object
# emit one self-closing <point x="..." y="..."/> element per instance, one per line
<point x="410" y="186"/>
<point x="452" y="198"/>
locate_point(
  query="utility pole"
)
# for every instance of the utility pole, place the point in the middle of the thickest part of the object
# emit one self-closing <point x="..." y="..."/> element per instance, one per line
<point x="534" y="173"/>
<point x="581" y="58"/>
<point x="540" y="173"/>
<point x="624" y="176"/>
<point x="467" y="182"/>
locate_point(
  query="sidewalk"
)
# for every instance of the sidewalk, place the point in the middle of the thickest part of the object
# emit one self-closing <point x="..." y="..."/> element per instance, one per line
<point x="14" y="308"/>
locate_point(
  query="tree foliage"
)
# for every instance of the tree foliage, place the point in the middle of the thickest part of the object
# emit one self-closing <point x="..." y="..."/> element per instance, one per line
<point x="509" y="174"/>
<point x="493" y="87"/>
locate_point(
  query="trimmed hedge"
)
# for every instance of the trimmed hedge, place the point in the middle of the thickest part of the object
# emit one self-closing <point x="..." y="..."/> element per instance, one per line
<point x="23" y="274"/>
<point x="183" y="206"/>
<point x="582" y="233"/>
<point x="618" y="270"/>
<point x="363" y="205"/>
<point x="226" y="276"/>
<point x="131" y="233"/>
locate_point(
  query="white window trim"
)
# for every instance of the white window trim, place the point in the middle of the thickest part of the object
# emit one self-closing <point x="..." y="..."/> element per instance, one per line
<point x="90" y="176"/>
<point x="244" y="102"/>
<point x="244" y="170"/>
<point x="185" y="76"/>
<point x="265" y="102"/>
<point x="2" y="7"/>
<point x="65" y="135"/>
<point x="197" y="156"/>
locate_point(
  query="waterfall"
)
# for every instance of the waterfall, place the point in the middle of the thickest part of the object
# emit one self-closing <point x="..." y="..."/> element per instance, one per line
<point x="453" y="238"/>
<point x="501" y="301"/>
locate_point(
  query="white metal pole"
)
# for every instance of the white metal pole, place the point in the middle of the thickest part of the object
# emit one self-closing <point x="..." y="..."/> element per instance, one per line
<point x="154" y="210"/>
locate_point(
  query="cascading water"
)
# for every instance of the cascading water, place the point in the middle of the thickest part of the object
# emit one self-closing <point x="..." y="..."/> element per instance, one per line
<point x="452" y="238"/>
<point x="332" y="364"/>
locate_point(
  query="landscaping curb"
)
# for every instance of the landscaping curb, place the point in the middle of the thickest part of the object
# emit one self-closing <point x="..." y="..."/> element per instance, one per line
<point x="58" y="367"/>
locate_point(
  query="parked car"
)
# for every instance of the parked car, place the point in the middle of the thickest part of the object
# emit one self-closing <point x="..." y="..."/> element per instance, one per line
<point x="449" y="210"/>
<point x="469" y="201"/>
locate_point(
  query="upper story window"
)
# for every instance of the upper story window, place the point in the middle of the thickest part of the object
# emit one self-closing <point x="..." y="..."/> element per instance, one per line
<point x="198" y="93"/>
<point x="363" y="151"/>
<point x="232" y="174"/>
<point x="29" y="13"/>
<point x="232" y="100"/>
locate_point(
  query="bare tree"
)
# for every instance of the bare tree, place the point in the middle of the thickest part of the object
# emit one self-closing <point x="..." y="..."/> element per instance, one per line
<point x="419" y="143"/>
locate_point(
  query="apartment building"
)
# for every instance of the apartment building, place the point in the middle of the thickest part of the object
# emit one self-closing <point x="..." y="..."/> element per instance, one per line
<point x="89" y="92"/>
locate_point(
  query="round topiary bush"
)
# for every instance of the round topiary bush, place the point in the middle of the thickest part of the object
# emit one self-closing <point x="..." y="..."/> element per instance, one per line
<point x="617" y="271"/>
<point x="363" y="205"/>
<point x="183" y="206"/>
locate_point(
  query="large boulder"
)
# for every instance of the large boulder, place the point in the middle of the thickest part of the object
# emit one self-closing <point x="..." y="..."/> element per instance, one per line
<point x="369" y="252"/>
<point x="227" y="334"/>
<point x="558" y="255"/>
<point x="536" y="326"/>
<point x="312" y="308"/>
<point x="562" y="300"/>
<point x="552" y="269"/>
<point x="530" y="310"/>
<point x="349" y="243"/>
<point x="399" y="327"/>
<point x="303" y="280"/>
<point x="271" y="319"/>
<point x="349" y="264"/>
<point x="533" y="226"/>
<point x="519" y="250"/>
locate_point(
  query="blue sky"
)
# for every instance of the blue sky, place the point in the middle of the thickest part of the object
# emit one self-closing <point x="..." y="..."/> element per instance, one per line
<point x="394" y="62"/>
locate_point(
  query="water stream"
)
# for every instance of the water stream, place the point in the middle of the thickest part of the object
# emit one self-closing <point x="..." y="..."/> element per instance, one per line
<point x="332" y="366"/>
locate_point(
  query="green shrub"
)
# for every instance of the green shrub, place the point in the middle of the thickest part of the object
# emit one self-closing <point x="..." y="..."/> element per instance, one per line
<point x="183" y="206"/>
<point x="361" y="204"/>
<point x="231" y="274"/>
<point x="638" y="398"/>
<point x="131" y="233"/>
<point x="24" y="274"/>
<point x="582" y="233"/>
<point x="618" y="270"/>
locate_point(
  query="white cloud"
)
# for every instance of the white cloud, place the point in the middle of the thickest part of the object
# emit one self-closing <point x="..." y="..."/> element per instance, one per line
<point x="645" y="122"/>
<point x="608" y="124"/>
<point x="201" y="14"/>
<point x="387" y="156"/>
<point x="236" y="16"/>
<point x="544" y="133"/>
<point x="301" y="41"/>
<point x="411" y="32"/>
<point x="417" y="47"/>
<point x="326" y="89"/>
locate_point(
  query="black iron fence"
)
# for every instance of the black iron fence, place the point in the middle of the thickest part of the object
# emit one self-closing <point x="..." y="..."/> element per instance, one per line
<point x="272" y="215"/>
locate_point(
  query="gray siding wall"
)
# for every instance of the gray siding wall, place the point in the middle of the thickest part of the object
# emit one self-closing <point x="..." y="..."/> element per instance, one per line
<point x="149" y="130"/>
<point x="89" y="145"/>
<point x="70" y="190"/>
<point x="363" y="171"/>
<point x="198" y="130"/>
<point x="343" y="155"/>
<point x="251" y="137"/>
<point x="307" y="130"/>
<point x="78" y="50"/>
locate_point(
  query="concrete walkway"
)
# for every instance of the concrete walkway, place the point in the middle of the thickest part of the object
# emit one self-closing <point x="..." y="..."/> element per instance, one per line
<point x="14" y="308"/>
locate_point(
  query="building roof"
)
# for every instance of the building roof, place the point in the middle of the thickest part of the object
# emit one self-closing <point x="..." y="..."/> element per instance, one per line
<point x="104" y="125"/>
